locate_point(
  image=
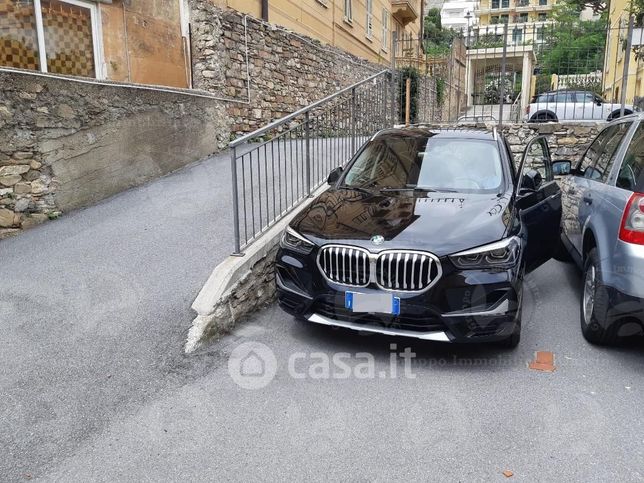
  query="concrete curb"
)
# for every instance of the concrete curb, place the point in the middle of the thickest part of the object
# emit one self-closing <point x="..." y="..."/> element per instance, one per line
<point x="239" y="285"/>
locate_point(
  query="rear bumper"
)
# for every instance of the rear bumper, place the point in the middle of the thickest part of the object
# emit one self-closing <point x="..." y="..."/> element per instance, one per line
<point x="464" y="306"/>
<point x="622" y="306"/>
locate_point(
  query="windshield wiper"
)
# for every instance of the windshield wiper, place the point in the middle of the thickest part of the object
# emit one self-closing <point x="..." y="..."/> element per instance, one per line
<point x="415" y="189"/>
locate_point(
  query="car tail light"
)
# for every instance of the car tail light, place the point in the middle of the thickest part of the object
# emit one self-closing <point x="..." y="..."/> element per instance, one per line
<point x="632" y="227"/>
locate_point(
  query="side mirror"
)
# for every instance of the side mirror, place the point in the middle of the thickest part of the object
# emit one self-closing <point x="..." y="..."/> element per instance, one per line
<point x="531" y="180"/>
<point x="598" y="102"/>
<point x="334" y="175"/>
<point x="561" y="167"/>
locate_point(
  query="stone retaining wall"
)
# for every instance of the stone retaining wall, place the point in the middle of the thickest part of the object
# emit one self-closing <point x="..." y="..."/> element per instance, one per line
<point x="566" y="140"/>
<point x="66" y="144"/>
<point x="287" y="71"/>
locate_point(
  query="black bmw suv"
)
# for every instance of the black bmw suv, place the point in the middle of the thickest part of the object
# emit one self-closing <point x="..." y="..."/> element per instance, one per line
<point x="426" y="234"/>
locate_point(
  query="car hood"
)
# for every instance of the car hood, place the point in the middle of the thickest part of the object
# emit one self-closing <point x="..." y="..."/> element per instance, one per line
<point x="441" y="223"/>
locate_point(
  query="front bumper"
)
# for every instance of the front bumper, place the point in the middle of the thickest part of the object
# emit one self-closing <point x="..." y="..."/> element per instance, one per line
<point x="463" y="306"/>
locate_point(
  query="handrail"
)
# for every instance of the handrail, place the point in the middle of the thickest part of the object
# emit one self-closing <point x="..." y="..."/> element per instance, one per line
<point x="278" y="122"/>
<point x="515" y="109"/>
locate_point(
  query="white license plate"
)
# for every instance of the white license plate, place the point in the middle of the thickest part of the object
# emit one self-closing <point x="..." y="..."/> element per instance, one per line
<point x="381" y="303"/>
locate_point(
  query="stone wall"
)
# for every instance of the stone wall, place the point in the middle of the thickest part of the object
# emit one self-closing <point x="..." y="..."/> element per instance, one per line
<point x="287" y="71"/>
<point x="66" y="144"/>
<point x="566" y="140"/>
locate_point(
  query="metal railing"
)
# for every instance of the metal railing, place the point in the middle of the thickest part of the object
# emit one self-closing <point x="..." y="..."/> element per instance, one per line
<point x="276" y="167"/>
<point x="540" y="71"/>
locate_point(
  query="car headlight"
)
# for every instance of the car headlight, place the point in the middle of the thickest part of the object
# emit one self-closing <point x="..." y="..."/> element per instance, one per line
<point x="292" y="240"/>
<point x="502" y="254"/>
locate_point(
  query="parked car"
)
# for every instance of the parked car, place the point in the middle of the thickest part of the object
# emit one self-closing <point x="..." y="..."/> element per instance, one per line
<point x="603" y="229"/>
<point x="570" y="105"/>
<point x="426" y="234"/>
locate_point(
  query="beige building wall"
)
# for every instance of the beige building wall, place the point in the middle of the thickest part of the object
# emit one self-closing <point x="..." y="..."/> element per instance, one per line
<point x="327" y="21"/>
<point x="526" y="15"/>
<point x="616" y="57"/>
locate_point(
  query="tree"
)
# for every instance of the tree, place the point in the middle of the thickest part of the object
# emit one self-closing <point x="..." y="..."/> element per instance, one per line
<point x="437" y="40"/>
<point x="573" y="46"/>
<point x="597" y="6"/>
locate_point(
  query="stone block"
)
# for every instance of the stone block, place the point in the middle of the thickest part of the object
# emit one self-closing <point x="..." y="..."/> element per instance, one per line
<point x="16" y="169"/>
<point x="10" y="180"/>
<point x="6" y="218"/>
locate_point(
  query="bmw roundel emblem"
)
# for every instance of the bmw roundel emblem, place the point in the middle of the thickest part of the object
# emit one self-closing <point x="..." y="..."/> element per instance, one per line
<point x="377" y="239"/>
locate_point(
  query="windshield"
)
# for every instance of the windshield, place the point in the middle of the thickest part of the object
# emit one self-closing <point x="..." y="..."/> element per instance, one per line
<point x="427" y="162"/>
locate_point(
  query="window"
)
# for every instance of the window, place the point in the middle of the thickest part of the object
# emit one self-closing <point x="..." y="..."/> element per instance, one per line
<point x="561" y="97"/>
<point x="542" y="17"/>
<point x="522" y="18"/>
<point x="537" y="158"/>
<point x="517" y="36"/>
<point x="543" y="2"/>
<point x="631" y="174"/>
<point x="599" y="157"/>
<point x="424" y="161"/>
<point x="607" y="157"/>
<point x="541" y="34"/>
<point x="592" y="153"/>
<point x="348" y="11"/>
<point x="500" y="3"/>
<point x="385" y="29"/>
<point x="369" y="23"/>
<point x="50" y="35"/>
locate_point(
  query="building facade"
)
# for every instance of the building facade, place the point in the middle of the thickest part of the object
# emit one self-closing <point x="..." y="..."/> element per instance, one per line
<point x="134" y="41"/>
<point x="526" y="19"/>
<point x="616" y="57"/>
<point x="459" y="15"/>
<point x="360" y="27"/>
<point x="149" y="42"/>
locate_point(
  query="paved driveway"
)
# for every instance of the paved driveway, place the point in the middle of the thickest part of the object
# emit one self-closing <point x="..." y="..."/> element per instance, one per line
<point x="91" y="403"/>
<point x="94" y="310"/>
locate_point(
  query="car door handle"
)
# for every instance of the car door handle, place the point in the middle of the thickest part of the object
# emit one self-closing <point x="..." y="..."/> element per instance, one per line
<point x="588" y="200"/>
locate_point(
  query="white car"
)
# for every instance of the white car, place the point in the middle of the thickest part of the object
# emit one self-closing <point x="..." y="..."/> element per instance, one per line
<point x="569" y="105"/>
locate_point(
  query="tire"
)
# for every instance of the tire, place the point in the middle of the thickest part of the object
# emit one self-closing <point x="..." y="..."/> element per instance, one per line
<point x="593" y="311"/>
<point x="543" y="117"/>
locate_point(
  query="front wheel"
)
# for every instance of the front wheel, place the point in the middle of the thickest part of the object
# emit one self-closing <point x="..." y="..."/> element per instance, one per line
<point x="543" y="117"/>
<point x="595" y="325"/>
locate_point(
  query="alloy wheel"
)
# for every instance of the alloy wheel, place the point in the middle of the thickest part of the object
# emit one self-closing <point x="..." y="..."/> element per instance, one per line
<point x="589" y="294"/>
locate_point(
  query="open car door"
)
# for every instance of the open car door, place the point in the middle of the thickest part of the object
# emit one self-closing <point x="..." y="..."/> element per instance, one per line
<point x="538" y="199"/>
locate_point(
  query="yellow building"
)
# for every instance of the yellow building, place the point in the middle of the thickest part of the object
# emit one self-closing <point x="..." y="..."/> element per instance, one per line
<point x="361" y="27"/>
<point x="116" y="40"/>
<point x="616" y="56"/>
<point x="526" y="19"/>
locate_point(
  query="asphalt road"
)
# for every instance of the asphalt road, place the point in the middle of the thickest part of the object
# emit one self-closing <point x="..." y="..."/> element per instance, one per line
<point x="467" y="414"/>
<point x="94" y="310"/>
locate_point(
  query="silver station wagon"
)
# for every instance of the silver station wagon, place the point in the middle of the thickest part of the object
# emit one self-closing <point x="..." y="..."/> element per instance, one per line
<point x="603" y="229"/>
